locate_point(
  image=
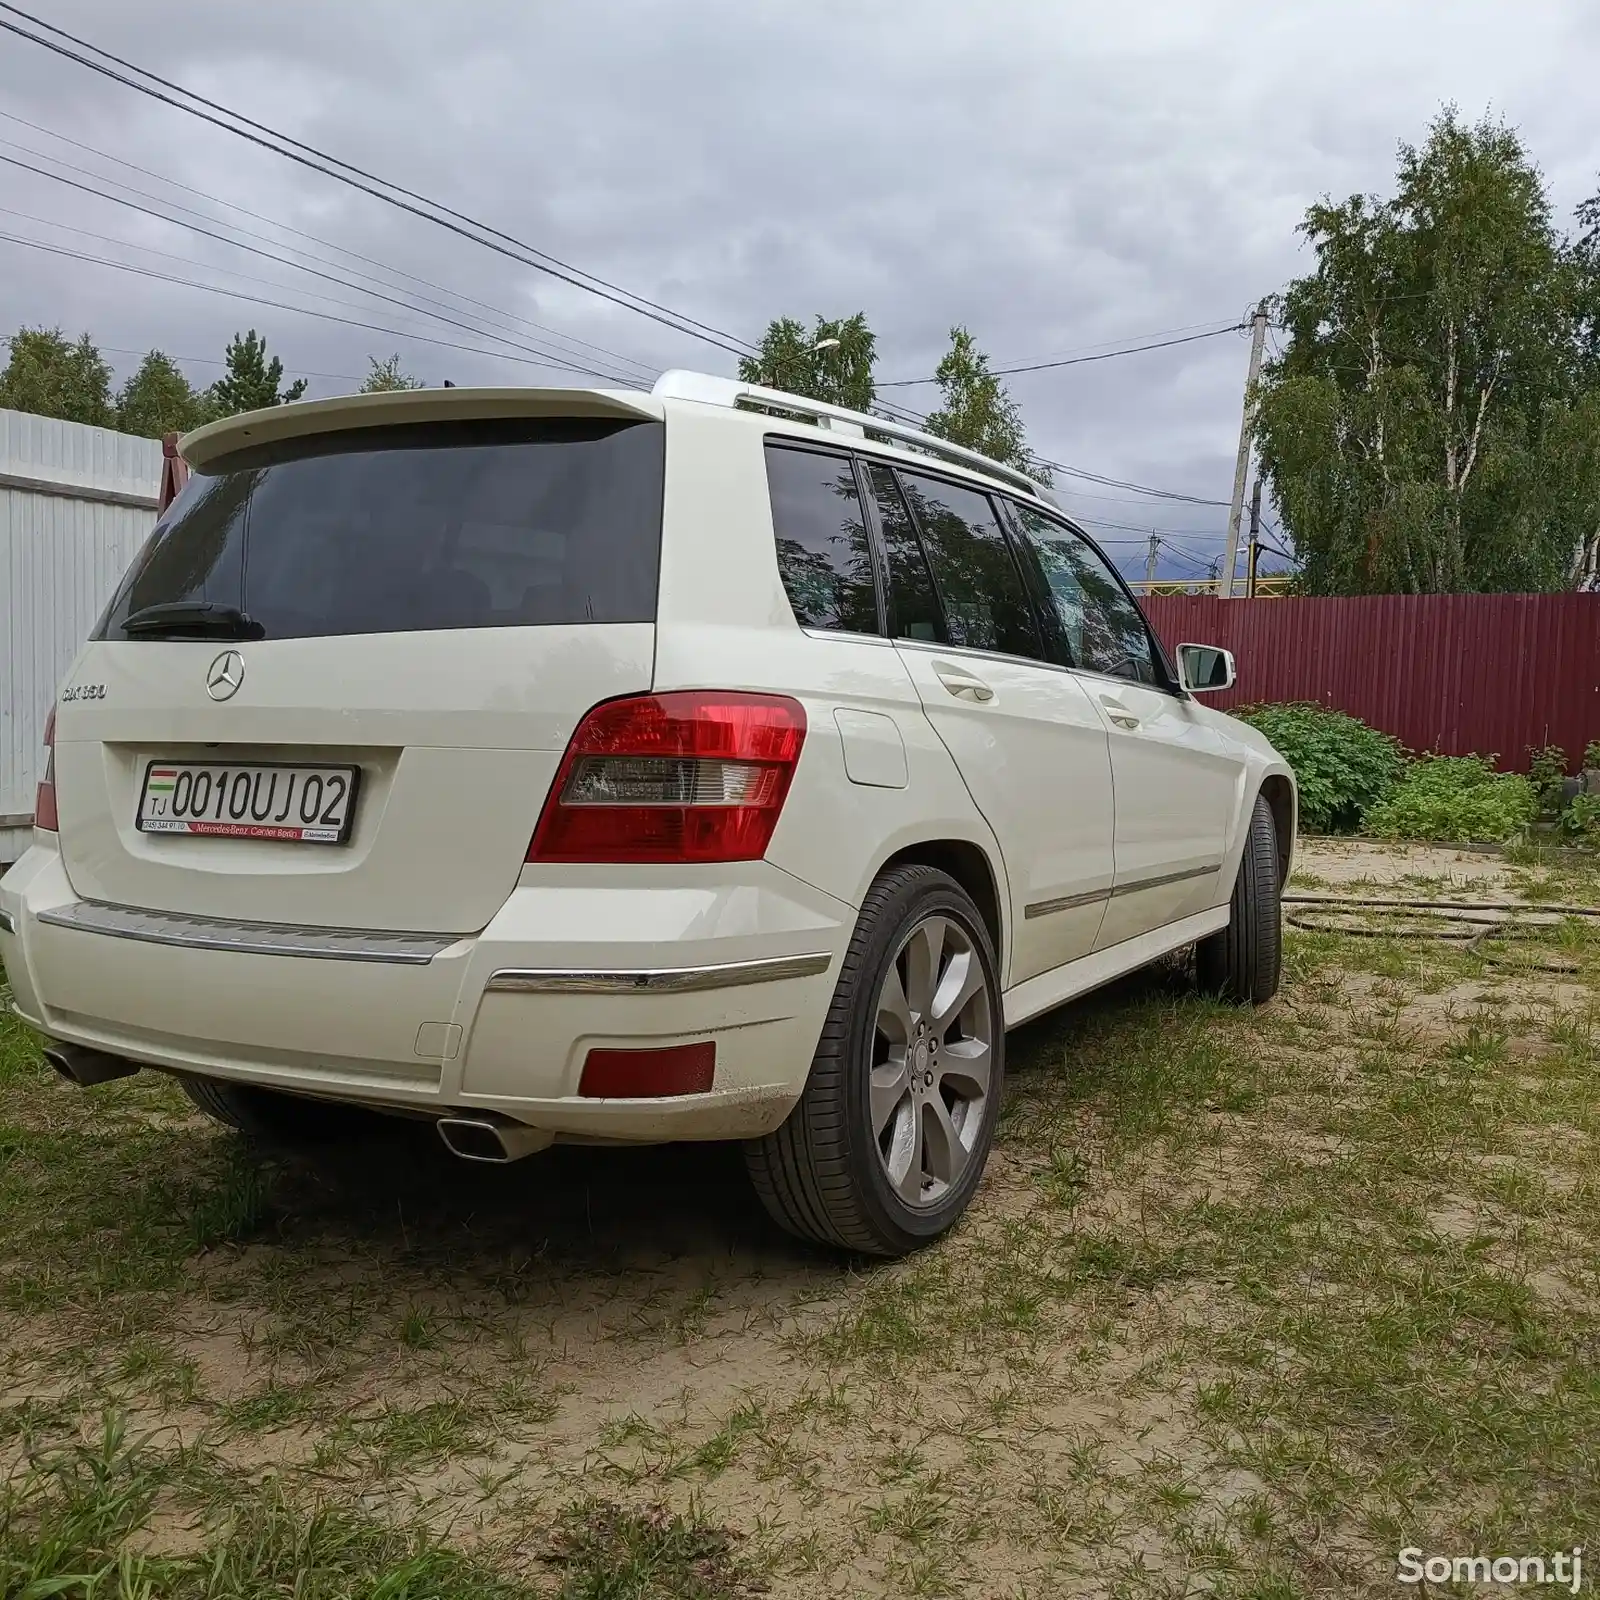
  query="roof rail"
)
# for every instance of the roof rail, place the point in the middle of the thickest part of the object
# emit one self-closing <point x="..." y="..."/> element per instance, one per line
<point x="708" y="389"/>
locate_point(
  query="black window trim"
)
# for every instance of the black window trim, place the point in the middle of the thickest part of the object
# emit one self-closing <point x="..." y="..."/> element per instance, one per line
<point x="880" y="551"/>
<point x="1007" y="538"/>
<point x="880" y="585"/>
<point x="1173" y="685"/>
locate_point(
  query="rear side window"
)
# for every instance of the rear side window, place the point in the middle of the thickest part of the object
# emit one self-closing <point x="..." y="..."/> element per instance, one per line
<point x="985" y="605"/>
<point x="823" y="553"/>
<point x="475" y="524"/>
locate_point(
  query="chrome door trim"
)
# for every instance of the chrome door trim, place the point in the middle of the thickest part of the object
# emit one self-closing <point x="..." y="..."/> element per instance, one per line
<point x="1066" y="902"/>
<point x="1160" y="880"/>
<point x="249" y="938"/>
<point x="656" y="980"/>
<point x="8" y="923"/>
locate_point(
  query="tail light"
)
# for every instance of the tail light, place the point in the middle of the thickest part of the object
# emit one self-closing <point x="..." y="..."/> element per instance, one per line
<point x="697" y="775"/>
<point x="44" y="801"/>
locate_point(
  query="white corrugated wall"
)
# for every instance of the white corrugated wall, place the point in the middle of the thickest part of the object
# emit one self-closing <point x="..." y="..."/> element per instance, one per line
<point x="76" y="503"/>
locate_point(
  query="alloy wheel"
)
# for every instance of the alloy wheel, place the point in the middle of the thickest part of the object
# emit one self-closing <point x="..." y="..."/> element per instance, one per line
<point x="933" y="1046"/>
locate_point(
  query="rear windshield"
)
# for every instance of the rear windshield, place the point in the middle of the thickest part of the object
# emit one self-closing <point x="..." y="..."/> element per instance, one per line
<point x="489" y="524"/>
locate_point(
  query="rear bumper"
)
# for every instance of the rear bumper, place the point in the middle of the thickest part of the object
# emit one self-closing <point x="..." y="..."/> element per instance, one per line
<point x="499" y="1021"/>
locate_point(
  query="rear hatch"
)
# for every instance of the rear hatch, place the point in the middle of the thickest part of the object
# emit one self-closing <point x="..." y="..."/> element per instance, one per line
<point x="425" y="606"/>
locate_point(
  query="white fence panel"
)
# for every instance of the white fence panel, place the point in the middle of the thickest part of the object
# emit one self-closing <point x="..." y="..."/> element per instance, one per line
<point x="75" y="505"/>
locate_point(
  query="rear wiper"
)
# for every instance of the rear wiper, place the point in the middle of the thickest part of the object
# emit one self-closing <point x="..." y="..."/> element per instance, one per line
<point x="201" y="619"/>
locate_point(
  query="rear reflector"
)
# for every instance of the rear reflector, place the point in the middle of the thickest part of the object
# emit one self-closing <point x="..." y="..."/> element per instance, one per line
<point x="44" y="800"/>
<point x="697" y="775"/>
<point x="649" y="1074"/>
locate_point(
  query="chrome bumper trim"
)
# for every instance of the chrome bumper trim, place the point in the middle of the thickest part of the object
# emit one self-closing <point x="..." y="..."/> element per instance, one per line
<point x="657" y="980"/>
<point x="248" y="938"/>
<point x="8" y="923"/>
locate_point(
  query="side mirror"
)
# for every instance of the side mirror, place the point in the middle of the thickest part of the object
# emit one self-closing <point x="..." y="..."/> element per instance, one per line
<point x="1204" y="669"/>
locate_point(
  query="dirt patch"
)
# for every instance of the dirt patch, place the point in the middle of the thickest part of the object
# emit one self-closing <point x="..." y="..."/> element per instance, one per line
<point x="1347" y="863"/>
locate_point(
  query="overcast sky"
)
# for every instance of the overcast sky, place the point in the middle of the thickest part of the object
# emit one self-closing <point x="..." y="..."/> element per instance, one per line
<point x="1053" y="175"/>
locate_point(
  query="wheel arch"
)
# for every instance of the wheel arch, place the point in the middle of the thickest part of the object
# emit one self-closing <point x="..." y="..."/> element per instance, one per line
<point x="968" y="863"/>
<point x="1277" y="789"/>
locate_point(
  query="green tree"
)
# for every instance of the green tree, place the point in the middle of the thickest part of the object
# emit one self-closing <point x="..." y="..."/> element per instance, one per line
<point x="840" y="373"/>
<point x="1583" y="427"/>
<point x="977" y="412"/>
<point x="385" y="376"/>
<point x="1425" y="429"/>
<point x="158" y="399"/>
<point x="48" y="375"/>
<point x="251" y="381"/>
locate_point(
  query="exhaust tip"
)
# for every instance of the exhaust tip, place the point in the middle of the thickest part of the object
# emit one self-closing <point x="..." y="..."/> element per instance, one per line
<point x="84" y="1067"/>
<point x="482" y="1139"/>
<point x="472" y="1139"/>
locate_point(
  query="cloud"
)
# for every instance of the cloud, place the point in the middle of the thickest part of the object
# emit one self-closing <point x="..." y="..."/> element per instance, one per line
<point x="1053" y="176"/>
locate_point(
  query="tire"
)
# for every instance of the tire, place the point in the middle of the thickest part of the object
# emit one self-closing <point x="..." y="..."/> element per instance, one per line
<point x="269" y="1116"/>
<point x="826" y="1174"/>
<point x="1242" y="962"/>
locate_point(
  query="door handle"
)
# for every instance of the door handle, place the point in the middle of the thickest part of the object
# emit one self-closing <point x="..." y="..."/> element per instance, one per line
<point x="962" y="684"/>
<point x="1118" y="712"/>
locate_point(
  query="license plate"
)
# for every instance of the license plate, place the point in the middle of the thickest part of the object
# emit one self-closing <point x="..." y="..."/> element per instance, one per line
<point x="304" y="805"/>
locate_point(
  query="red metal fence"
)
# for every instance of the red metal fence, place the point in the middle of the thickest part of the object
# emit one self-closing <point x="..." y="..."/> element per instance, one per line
<point x="1457" y="673"/>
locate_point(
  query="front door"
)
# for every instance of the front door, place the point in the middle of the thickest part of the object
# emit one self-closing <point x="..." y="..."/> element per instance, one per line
<point x="1178" y="785"/>
<point x="1025" y="734"/>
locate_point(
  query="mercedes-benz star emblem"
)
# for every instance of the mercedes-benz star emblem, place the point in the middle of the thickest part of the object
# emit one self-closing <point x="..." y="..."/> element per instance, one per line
<point x="224" y="675"/>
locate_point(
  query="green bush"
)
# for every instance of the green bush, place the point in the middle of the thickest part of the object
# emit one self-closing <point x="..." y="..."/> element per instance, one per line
<point x="1547" y="772"/>
<point x="1581" y="819"/>
<point x="1455" y="797"/>
<point x="1342" y="766"/>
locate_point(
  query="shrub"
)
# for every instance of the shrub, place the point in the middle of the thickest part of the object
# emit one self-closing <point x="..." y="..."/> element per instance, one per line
<point x="1455" y="797"/>
<point x="1547" y="772"/>
<point x="1591" y="755"/>
<point x="1342" y="766"/>
<point x="1581" y="819"/>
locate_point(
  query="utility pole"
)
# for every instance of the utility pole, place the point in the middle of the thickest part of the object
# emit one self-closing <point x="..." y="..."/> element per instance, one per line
<point x="1230" y="556"/>
<point x="1150" y="565"/>
<point x="1255" y="534"/>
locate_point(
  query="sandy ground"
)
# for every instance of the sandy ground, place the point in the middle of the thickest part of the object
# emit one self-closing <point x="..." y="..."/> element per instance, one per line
<point x="1348" y="863"/>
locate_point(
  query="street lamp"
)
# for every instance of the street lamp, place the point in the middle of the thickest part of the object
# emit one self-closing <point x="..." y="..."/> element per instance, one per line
<point x="816" y="349"/>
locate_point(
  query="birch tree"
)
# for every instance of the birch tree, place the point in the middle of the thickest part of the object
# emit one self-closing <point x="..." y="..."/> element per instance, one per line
<point x="1428" y="427"/>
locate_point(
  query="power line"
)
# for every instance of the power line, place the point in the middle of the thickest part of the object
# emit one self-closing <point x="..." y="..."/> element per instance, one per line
<point x="319" y="161"/>
<point x="1123" y="483"/>
<point x="215" y="200"/>
<point x="1073" y="361"/>
<point x="316" y="272"/>
<point x="1122" y="339"/>
<point x="1147" y="528"/>
<point x="281" y="305"/>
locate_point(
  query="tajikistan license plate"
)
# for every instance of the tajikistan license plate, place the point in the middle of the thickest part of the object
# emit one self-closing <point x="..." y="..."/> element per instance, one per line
<point x="306" y="805"/>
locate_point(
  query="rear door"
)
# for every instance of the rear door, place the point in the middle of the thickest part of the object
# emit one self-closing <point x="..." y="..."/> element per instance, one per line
<point x="430" y="607"/>
<point x="1177" y="781"/>
<point x="1028" y="742"/>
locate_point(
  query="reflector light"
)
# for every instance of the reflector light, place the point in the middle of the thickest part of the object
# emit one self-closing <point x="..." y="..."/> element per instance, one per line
<point x="648" y="1074"/>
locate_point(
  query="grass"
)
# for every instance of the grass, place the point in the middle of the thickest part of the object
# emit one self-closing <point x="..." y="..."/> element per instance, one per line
<point x="1248" y="1302"/>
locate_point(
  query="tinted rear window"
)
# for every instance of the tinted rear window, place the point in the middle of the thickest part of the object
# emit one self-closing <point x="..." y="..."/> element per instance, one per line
<point x="433" y="525"/>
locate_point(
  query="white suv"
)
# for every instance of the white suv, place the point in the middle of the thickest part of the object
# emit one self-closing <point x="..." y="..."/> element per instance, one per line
<point x="580" y="765"/>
